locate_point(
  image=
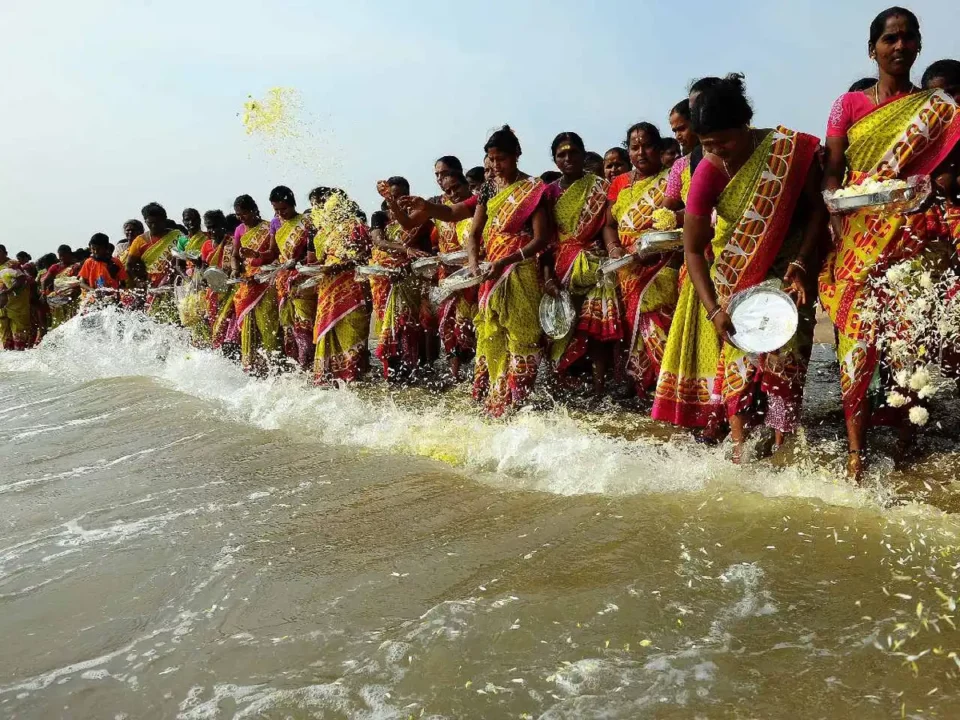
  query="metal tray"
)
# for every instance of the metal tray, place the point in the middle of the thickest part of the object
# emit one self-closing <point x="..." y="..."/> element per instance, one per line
<point x="660" y="241"/>
<point x="611" y="266"/>
<point x="310" y="270"/>
<point x="185" y="255"/>
<point x="764" y="317"/>
<point x="370" y="271"/>
<point x="557" y="315"/>
<point x="464" y="278"/>
<point x="426" y="267"/>
<point x="902" y="199"/>
<point x="458" y="258"/>
<point x="66" y="283"/>
<point x="216" y="279"/>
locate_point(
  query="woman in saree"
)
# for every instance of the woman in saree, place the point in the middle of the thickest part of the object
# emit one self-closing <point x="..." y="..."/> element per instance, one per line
<point x="648" y="287"/>
<point x="342" y="324"/>
<point x="153" y="249"/>
<point x="293" y="234"/>
<point x="511" y="226"/>
<point x="678" y="182"/>
<point x="191" y="295"/>
<point x="254" y="300"/>
<point x="63" y="302"/>
<point x="17" y="329"/>
<point x="771" y="224"/>
<point x="889" y="131"/>
<point x="193" y="239"/>
<point x="579" y="203"/>
<point x="945" y="75"/>
<point x="132" y="229"/>
<point x="398" y="301"/>
<point x="456" y="312"/>
<point x="452" y="217"/>
<point x="616" y="162"/>
<point x="217" y="252"/>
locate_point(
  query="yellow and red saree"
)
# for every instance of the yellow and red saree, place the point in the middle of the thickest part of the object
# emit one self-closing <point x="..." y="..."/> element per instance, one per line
<point x="221" y="314"/>
<point x="648" y="287"/>
<point x="155" y="254"/>
<point x="61" y="311"/>
<point x="909" y="136"/>
<point x="17" y="331"/>
<point x="508" y="321"/>
<point x="579" y="213"/>
<point x="297" y="312"/>
<point x="255" y="303"/>
<point x="192" y="244"/>
<point x="753" y="242"/>
<point x="192" y="299"/>
<point x="342" y="322"/>
<point x="397" y="306"/>
<point x="455" y="314"/>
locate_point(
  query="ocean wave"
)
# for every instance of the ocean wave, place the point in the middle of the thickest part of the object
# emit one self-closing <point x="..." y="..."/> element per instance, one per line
<point x="551" y="451"/>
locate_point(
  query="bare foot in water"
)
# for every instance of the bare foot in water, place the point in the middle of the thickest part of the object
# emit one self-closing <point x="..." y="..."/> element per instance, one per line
<point x="855" y="466"/>
<point x="737" y="457"/>
<point x="906" y="446"/>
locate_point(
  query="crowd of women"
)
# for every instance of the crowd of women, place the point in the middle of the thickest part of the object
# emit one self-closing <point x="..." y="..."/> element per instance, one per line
<point x="749" y="200"/>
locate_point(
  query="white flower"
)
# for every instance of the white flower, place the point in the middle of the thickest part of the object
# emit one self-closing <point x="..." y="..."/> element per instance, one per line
<point x="920" y="379"/>
<point x="927" y="391"/>
<point x="896" y="400"/>
<point x="895" y="275"/>
<point x="919" y="415"/>
<point x="902" y="378"/>
<point x="899" y="347"/>
<point x="926" y="282"/>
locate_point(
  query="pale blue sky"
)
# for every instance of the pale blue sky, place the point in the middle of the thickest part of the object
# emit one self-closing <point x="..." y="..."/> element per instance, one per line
<point x="108" y="105"/>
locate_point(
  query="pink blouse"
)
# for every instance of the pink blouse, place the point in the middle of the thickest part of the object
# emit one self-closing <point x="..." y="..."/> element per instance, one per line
<point x="675" y="178"/>
<point x="850" y="108"/>
<point x="707" y="183"/>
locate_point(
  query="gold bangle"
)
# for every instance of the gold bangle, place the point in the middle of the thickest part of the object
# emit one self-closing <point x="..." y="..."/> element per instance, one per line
<point x="713" y="313"/>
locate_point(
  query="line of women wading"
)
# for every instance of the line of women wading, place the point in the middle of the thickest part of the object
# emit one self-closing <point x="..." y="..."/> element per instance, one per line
<point x="312" y="289"/>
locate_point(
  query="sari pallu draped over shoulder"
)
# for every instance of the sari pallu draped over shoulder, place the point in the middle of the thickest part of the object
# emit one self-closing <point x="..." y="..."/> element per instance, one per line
<point x="297" y="312"/>
<point x="648" y="287"/>
<point x="753" y="242"/>
<point x="255" y="303"/>
<point x="906" y="137"/>
<point x="221" y="314"/>
<point x="155" y="254"/>
<point x="63" y="312"/>
<point x="397" y="304"/>
<point x="508" y="322"/>
<point x="342" y="320"/>
<point x="455" y="314"/>
<point x="579" y="213"/>
<point x="17" y="331"/>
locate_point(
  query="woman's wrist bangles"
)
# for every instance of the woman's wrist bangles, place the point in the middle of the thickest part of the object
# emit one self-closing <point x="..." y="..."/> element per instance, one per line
<point x="713" y="313"/>
<point x="798" y="264"/>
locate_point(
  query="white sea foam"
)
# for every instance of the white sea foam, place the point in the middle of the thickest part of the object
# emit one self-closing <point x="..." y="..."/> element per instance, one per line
<point x="547" y="451"/>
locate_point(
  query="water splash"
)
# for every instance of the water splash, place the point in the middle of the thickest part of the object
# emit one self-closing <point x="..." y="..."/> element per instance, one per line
<point x="551" y="451"/>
